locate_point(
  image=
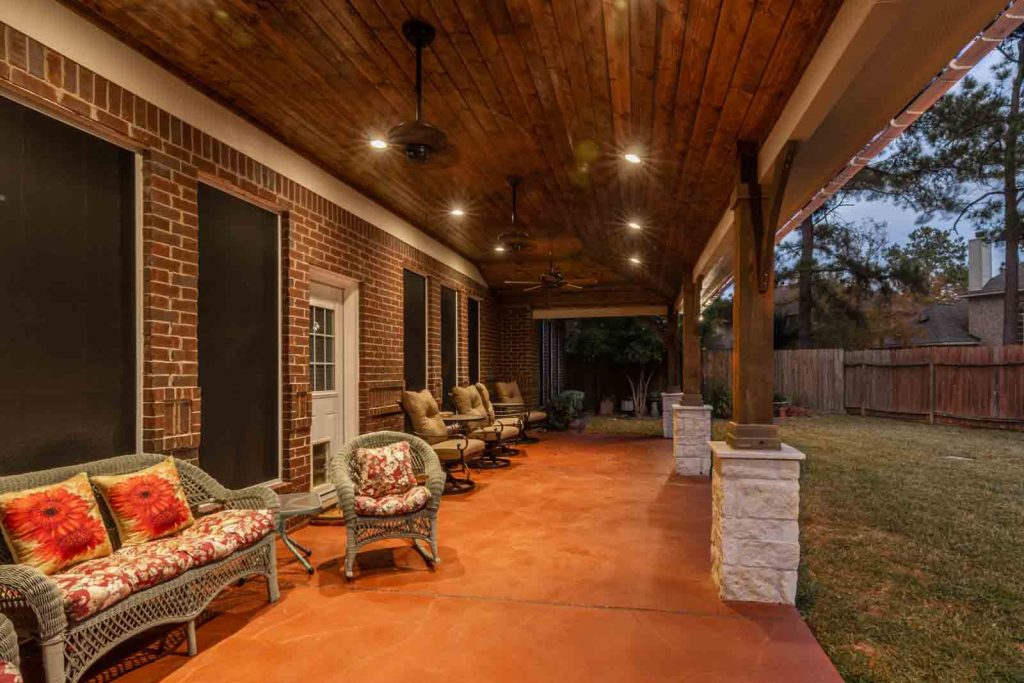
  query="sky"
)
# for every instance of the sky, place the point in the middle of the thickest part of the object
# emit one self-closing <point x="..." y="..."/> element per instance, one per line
<point x="901" y="222"/>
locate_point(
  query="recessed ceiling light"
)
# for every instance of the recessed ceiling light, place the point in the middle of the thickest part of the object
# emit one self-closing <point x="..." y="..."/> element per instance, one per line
<point x="499" y="247"/>
<point x="377" y="143"/>
<point x="632" y="158"/>
<point x="635" y="260"/>
<point x="458" y="212"/>
<point x="634" y="225"/>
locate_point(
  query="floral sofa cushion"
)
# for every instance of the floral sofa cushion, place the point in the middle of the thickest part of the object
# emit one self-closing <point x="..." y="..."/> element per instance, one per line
<point x="386" y="470"/>
<point x="148" y="504"/>
<point x="412" y="500"/>
<point x="53" y="527"/>
<point x="9" y="673"/>
<point x="95" y="585"/>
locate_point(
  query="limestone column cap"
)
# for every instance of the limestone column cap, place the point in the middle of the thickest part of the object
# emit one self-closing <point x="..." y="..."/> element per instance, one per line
<point x="723" y="450"/>
<point x="700" y="408"/>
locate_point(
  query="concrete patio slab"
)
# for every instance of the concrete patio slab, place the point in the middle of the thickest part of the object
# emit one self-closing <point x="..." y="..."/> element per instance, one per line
<point x="584" y="560"/>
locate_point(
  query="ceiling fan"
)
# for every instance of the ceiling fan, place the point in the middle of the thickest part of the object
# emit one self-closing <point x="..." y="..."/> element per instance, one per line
<point x="421" y="142"/>
<point x="515" y="238"/>
<point x="551" y="280"/>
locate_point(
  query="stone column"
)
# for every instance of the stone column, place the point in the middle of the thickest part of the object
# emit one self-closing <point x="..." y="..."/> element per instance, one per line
<point x="755" y="547"/>
<point x="691" y="432"/>
<point x="691" y="418"/>
<point x="755" y="537"/>
<point x="668" y="402"/>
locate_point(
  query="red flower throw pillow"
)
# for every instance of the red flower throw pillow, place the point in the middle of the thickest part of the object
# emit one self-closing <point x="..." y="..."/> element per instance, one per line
<point x="386" y="470"/>
<point x="148" y="504"/>
<point x="53" y="527"/>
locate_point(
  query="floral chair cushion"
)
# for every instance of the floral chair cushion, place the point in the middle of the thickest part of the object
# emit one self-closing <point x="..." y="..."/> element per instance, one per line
<point x="9" y="673"/>
<point x="148" y="504"/>
<point x="385" y="470"/>
<point x="406" y="503"/>
<point x="53" y="527"/>
<point x="95" y="585"/>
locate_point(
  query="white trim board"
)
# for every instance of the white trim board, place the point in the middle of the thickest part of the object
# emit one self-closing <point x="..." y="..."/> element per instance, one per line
<point x="61" y="29"/>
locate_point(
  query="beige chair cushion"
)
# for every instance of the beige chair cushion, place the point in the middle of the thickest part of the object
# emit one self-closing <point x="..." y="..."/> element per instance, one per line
<point x="508" y="422"/>
<point x="537" y="416"/>
<point x="449" y="449"/>
<point x="494" y="433"/>
<point x="468" y="401"/>
<point x="485" y="398"/>
<point x="423" y="413"/>
<point x="508" y="392"/>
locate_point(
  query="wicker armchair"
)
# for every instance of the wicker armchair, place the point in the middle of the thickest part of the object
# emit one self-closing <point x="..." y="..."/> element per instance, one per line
<point x="362" y="529"/>
<point x="70" y="647"/>
<point x="8" y="642"/>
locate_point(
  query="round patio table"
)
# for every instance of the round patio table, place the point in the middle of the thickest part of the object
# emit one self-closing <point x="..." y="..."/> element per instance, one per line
<point x="294" y="505"/>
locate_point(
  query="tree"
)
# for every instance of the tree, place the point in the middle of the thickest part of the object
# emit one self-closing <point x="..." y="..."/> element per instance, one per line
<point x="847" y="284"/>
<point x="962" y="159"/>
<point x="634" y="344"/>
<point x="935" y="259"/>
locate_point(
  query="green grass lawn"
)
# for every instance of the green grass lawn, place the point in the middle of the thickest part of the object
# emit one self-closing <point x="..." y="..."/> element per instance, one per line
<point x="913" y="547"/>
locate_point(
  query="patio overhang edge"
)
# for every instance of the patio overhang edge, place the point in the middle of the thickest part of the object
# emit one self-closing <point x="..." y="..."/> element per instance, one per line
<point x="82" y="41"/>
<point x="842" y="56"/>
<point x="598" y="312"/>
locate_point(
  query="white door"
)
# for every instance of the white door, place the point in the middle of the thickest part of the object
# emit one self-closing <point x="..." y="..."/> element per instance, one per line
<point x="326" y="380"/>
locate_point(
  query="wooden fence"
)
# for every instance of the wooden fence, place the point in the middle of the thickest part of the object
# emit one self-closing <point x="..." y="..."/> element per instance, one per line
<point x="981" y="386"/>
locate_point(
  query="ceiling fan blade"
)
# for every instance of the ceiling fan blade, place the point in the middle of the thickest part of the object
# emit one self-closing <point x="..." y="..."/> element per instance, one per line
<point x="569" y="285"/>
<point x="520" y="282"/>
<point x="534" y="288"/>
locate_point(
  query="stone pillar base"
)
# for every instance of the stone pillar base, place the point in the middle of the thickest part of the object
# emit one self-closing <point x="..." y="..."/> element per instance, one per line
<point x="668" y="400"/>
<point x="691" y="433"/>
<point x="755" y="535"/>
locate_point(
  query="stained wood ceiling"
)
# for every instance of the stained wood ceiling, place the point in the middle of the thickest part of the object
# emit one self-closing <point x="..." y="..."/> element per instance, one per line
<point x="552" y="90"/>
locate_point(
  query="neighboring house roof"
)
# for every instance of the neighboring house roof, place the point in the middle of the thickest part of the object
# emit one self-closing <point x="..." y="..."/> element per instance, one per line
<point x="997" y="285"/>
<point x="939" y="324"/>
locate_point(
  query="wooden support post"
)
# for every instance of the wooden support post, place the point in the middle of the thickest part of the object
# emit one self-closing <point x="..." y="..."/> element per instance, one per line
<point x="691" y="343"/>
<point x="672" y="357"/>
<point x="757" y="215"/>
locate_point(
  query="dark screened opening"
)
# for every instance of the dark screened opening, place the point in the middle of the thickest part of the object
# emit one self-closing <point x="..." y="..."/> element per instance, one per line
<point x="474" y="341"/>
<point x="449" y="344"/>
<point x="238" y="339"/>
<point x="67" y="294"/>
<point x="414" y="325"/>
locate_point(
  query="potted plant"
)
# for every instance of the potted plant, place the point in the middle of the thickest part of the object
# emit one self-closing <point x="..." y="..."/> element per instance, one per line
<point x="781" y="404"/>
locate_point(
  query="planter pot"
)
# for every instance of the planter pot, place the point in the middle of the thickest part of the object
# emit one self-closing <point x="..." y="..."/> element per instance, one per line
<point x="627" y="406"/>
<point x="607" y="407"/>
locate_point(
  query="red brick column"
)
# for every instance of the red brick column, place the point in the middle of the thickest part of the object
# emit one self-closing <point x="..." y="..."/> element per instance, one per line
<point x="297" y="404"/>
<point x="170" y="306"/>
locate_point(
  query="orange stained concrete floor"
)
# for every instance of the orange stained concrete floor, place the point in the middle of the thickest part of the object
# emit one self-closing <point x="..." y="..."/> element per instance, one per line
<point x="584" y="561"/>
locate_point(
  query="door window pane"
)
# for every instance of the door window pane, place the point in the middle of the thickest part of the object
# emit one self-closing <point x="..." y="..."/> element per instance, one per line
<point x="321" y="348"/>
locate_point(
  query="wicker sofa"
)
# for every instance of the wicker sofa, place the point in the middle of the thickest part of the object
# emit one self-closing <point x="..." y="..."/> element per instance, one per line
<point x="76" y="624"/>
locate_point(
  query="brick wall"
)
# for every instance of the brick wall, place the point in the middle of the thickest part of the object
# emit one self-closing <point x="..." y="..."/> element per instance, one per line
<point x="519" y="358"/>
<point x="315" y="232"/>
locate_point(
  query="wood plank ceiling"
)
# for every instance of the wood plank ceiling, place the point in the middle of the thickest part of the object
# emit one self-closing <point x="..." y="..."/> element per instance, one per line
<point x="555" y="91"/>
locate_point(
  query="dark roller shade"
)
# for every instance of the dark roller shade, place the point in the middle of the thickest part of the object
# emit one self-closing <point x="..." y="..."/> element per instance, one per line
<point x="414" y="325"/>
<point x="449" y="344"/>
<point x="238" y="339"/>
<point x="474" y="341"/>
<point x="67" y="294"/>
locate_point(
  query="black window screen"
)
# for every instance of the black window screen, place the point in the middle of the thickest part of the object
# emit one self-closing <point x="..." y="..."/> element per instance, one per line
<point x="67" y="294"/>
<point x="449" y="344"/>
<point x="474" y="341"/>
<point x="414" y="323"/>
<point x="238" y="339"/>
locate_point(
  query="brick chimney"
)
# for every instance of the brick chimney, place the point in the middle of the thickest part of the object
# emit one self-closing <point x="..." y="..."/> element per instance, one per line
<point x="979" y="264"/>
